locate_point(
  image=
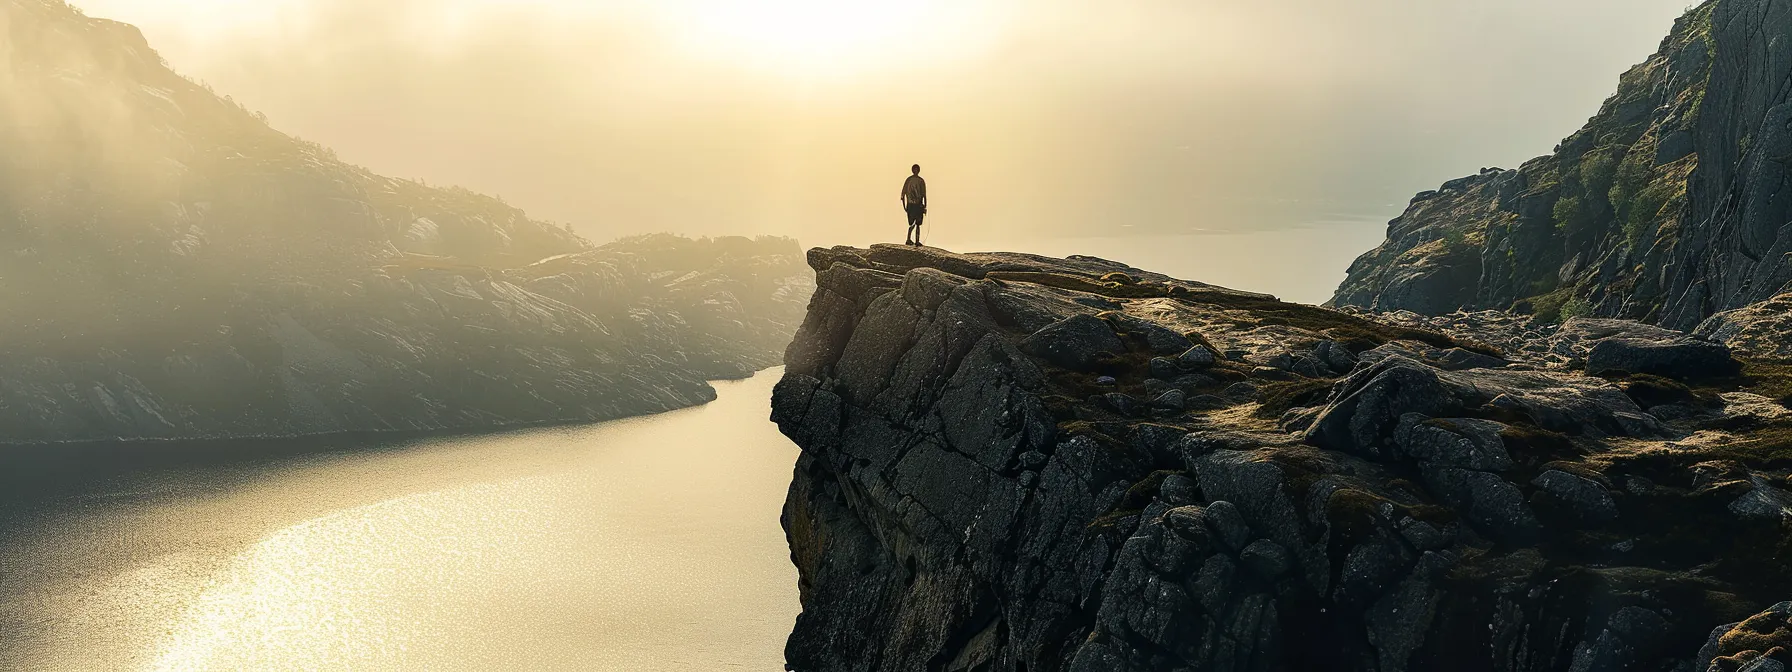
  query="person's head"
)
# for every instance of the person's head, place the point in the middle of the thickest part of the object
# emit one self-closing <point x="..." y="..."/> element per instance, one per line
<point x="916" y="169"/>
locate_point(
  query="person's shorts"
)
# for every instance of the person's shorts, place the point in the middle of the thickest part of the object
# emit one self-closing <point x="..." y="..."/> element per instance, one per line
<point x="915" y="212"/>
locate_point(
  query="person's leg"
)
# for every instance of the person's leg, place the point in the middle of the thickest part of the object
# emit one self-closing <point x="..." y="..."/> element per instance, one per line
<point x="919" y="217"/>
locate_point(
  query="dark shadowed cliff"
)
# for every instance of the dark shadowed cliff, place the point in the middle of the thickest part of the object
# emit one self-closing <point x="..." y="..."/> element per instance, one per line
<point x="174" y="268"/>
<point x="1669" y="206"/>
<point x="1020" y="463"/>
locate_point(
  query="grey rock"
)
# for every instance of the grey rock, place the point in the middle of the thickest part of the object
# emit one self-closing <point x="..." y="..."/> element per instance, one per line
<point x="1162" y="340"/>
<point x="1448" y="359"/>
<point x="1763" y="500"/>
<point x="1239" y="392"/>
<point x="1122" y="403"/>
<point x="1494" y="505"/>
<point x="1267" y="558"/>
<point x="1683" y="358"/>
<point x="1196" y="358"/>
<point x="1075" y="342"/>
<point x="1178" y="490"/>
<point x="1465" y="443"/>
<point x="1175" y="400"/>
<point x="1424" y="536"/>
<point x="1228" y="525"/>
<point x="1164" y="368"/>
<point x="1585" y="498"/>
<point x="1335" y="356"/>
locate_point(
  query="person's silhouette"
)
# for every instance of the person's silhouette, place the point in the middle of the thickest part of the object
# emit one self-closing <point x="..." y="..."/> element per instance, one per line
<point x="914" y="202"/>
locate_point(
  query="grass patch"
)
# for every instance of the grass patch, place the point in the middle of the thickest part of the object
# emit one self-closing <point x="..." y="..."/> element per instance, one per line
<point x="1348" y="329"/>
<point x="1557" y="306"/>
<point x="1280" y="397"/>
<point x="1535" y="446"/>
<point x="1649" y="391"/>
<point x="1126" y="512"/>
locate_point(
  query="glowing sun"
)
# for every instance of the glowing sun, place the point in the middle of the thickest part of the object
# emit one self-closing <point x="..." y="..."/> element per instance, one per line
<point x="833" y="36"/>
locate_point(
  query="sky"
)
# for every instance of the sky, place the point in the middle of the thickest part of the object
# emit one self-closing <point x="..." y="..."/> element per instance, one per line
<point x="1037" y="118"/>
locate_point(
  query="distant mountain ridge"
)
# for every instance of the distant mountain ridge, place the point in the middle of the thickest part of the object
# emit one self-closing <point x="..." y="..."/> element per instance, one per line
<point x="175" y="268"/>
<point x="1669" y="206"/>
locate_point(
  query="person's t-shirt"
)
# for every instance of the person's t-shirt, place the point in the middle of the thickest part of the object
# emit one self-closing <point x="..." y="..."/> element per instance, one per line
<point x="914" y="191"/>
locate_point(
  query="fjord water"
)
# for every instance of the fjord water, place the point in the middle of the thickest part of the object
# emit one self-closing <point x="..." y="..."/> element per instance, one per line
<point x="648" y="543"/>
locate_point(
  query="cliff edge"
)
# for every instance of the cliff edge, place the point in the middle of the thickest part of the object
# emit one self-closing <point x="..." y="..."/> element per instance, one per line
<point x="1013" y="462"/>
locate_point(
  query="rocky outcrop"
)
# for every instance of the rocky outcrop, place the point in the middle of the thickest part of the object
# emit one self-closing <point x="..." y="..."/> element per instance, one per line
<point x="1667" y="207"/>
<point x="174" y="268"/>
<point x="1021" y="463"/>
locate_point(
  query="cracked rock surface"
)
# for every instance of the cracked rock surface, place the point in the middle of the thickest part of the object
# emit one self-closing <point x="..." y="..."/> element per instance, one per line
<point x="989" y="482"/>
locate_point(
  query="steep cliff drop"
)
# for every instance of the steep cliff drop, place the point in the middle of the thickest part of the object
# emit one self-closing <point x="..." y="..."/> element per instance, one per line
<point x="1021" y="463"/>
<point x="1669" y="206"/>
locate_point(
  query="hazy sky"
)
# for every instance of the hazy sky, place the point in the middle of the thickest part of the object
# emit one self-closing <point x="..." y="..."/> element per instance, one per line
<point x="1031" y="117"/>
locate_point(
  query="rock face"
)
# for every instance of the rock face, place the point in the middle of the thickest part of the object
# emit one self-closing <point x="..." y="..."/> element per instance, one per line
<point x="1007" y="465"/>
<point x="1667" y="207"/>
<point x="174" y="268"/>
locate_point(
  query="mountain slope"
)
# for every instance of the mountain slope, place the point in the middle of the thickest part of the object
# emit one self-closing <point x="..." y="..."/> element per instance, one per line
<point x="175" y="268"/>
<point x="1669" y="206"/>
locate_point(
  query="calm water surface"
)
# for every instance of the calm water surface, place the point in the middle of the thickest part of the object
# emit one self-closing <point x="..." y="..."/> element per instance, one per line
<point x="643" y="544"/>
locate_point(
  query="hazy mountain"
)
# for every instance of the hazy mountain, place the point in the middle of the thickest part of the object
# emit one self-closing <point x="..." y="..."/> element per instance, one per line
<point x="176" y="268"/>
<point x="1669" y="206"/>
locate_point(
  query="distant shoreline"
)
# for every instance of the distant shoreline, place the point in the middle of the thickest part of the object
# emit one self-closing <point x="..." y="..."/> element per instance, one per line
<point x="29" y="470"/>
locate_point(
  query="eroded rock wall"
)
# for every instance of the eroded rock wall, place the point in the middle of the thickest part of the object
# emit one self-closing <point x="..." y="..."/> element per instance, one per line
<point x="1019" y="463"/>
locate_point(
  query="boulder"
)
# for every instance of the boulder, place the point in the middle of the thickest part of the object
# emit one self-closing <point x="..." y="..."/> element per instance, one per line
<point x="1679" y="357"/>
<point x="1077" y="342"/>
<point x="1585" y="498"/>
<point x="1196" y="358"/>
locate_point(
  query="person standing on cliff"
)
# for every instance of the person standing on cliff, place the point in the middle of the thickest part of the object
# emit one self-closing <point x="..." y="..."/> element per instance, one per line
<point x="914" y="202"/>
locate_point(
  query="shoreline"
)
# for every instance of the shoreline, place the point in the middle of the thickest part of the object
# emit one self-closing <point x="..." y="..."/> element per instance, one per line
<point x="36" y="473"/>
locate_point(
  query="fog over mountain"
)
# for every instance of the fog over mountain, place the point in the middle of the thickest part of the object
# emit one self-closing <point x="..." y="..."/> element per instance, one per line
<point x="175" y="268"/>
<point x="698" y="116"/>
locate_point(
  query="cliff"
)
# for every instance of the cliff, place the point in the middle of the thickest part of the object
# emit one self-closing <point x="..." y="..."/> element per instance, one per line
<point x="174" y="268"/>
<point x="1669" y="206"/>
<point x="1012" y="462"/>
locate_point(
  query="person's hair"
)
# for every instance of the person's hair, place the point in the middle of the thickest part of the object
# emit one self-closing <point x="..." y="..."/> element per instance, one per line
<point x="917" y="169"/>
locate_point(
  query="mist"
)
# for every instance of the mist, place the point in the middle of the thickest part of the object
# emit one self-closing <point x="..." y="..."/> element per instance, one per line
<point x="1043" y="118"/>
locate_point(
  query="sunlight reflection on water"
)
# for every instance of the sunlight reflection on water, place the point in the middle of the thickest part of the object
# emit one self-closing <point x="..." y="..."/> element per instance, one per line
<point x="650" y="543"/>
